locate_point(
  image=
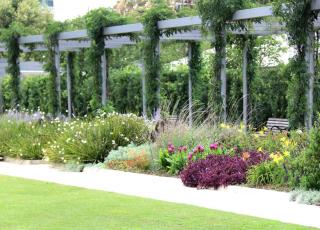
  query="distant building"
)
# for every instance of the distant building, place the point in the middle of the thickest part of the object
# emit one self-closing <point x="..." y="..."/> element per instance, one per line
<point x="125" y="6"/>
<point x="48" y="3"/>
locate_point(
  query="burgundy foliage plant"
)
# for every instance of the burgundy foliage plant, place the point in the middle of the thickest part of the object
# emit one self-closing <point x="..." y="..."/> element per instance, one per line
<point x="220" y="170"/>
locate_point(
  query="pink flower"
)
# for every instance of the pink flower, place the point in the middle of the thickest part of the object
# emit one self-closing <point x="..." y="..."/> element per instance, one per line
<point x="190" y="156"/>
<point x="214" y="146"/>
<point x="195" y="150"/>
<point x="184" y="148"/>
<point x="171" y="150"/>
<point x="200" y="148"/>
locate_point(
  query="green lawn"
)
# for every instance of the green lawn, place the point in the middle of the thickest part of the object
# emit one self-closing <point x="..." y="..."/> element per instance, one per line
<point x="33" y="205"/>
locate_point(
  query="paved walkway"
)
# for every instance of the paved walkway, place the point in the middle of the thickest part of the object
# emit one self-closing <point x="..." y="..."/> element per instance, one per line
<point x="253" y="202"/>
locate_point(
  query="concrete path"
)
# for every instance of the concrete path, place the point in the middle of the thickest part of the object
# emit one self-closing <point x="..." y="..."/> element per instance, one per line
<point x="253" y="202"/>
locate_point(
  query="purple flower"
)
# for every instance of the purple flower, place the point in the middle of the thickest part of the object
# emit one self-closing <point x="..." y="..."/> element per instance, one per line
<point x="214" y="146"/>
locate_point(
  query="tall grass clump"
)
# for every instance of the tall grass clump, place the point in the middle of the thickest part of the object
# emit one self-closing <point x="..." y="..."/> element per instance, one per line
<point x="24" y="140"/>
<point x="81" y="141"/>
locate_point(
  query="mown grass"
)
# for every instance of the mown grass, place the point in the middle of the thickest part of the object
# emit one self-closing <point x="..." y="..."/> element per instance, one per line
<point x="26" y="204"/>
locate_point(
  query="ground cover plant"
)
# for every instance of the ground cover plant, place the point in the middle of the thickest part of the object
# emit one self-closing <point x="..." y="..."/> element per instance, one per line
<point x="131" y="157"/>
<point x="85" y="209"/>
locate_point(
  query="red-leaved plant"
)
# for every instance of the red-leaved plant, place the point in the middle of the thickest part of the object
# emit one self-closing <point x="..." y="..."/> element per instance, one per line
<point x="220" y="170"/>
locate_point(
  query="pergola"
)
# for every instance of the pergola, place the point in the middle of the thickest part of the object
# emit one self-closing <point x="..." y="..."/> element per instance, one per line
<point x="75" y="40"/>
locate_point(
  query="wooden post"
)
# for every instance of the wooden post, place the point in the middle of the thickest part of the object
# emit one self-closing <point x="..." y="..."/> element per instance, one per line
<point x="157" y="53"/>
<point x="309" y="58"/>
<point x="58" y="77"/>
<point x="144" y="92"/>
<point x="245" y="85"/>
<point x="190" y="84"/>
<point x="104" y="76"/>
<point x="1" y="97"/>
<point x="223" y="77"/>
<point x="69" y="82"/>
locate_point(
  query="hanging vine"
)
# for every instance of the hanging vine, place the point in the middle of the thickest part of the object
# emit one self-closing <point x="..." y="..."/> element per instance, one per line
<point x="51" y="41"/>
<point x="96" y="20"/>
<point x="298" y="18"/>
<point x="158" y="12"/>
<point x="216" y="16"/>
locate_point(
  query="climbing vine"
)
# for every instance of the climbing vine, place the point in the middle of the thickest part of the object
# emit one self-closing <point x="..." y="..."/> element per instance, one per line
<point x="216" y="16"/>
<point x="298" y="18"/>
<point x="195" y="61"/>
<point x="150" y="19"/>
<point x="10" y="36"/>
<point x="51" y="41"/>
<point x="96" y="20"/>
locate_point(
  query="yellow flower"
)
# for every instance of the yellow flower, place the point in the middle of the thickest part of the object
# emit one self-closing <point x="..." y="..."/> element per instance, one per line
<point x="260" y="149"/>
<point x="286" y="153"/>
<point x="224" y="126"/>
<point x="278" y="159"/>
<point x="286" y="143"/>
<point x="272" y="155"/>
<point x="261" y="132"/>
<point x="265" y="129"/>
<point x="283" y="139"/>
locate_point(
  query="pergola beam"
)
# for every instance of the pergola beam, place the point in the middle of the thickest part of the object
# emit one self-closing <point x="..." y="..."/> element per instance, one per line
<point x="245" y="14"/>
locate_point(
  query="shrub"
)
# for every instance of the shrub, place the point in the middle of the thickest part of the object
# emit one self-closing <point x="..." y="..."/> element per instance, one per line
<point x="174" y="160"/>
<point x="307" y="168"/>
<point x="130" y="158"/>
<point x="24" y="140"/>
<point x="91" y="141"/>
<point x="267" y="173"/>
<point x="218" y="170"/>
<point x="306" y="197"/>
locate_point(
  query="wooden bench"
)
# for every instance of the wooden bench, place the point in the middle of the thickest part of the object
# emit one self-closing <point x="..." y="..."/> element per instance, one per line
<point x="278" y="125"/>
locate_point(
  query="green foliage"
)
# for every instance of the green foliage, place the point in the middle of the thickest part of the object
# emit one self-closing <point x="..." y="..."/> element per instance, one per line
<point x="52" y="42"/>
<point x="215" y="16"/>
<point x="267" y="173"/>
<point x="299" y="18"/>
<point x="296" y="96"/>
<point x="11" y="37"/>
<point x="96" y="20"/>
<point x="22" y="140"/>
<point x="308" y="164"/>
<point x="91" y="141"/>
<point x="150" y="49"/>
<point x="34" y="93"/>
<point x="125" y="89"/>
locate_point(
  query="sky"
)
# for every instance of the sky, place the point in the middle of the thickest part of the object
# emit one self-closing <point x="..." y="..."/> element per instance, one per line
<point x="68" y="9"/>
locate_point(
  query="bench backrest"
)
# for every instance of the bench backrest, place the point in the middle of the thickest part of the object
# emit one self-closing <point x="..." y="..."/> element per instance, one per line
<point x="277" y="124"/>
